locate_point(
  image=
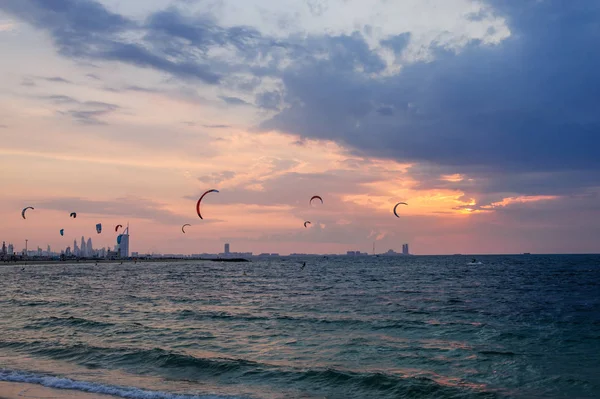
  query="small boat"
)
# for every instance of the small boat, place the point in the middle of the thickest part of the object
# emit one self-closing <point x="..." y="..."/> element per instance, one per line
<point x="474" y="262"/>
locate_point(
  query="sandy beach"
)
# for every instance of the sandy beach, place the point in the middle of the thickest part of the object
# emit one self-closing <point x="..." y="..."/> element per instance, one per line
<point x="17" y="390"/>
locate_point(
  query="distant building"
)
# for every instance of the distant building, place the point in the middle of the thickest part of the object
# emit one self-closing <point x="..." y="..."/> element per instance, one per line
<point x="11" y="249"/>
<point x="68" y="251"/>
<point x="124" y="245"/>
<point x="405" y="249"/>
<point x="356" y="253"/>
<point x="226" y="249"/>
<point x="82" y="250"/>
<point x="112" y="254"/>
<point x="4" y="250"/>
<point x="89" y="249"/>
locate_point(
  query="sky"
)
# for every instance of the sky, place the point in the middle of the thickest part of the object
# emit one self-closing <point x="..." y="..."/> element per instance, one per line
<point x="481" y="115"/>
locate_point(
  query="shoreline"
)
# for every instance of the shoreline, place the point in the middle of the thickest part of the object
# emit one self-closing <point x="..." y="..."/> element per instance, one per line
<point x="20" y="390"/>
<point x="105" y="261"/>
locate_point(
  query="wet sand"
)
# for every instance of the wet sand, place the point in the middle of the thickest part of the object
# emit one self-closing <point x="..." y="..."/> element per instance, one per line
<point x="18" y="390"/>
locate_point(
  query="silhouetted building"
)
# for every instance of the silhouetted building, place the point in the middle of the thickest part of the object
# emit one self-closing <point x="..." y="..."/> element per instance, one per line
<point x="89" y="249"/>
<point x="226" y="249"/>
<point x="82" y="250"/>
<point x="124" y="245"/>
<point x="405" y="249"/>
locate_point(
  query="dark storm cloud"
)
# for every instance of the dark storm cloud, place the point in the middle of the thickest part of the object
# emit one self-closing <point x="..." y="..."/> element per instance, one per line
<point x="528" y="105"/>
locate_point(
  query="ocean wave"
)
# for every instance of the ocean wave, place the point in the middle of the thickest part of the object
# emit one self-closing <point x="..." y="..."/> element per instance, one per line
<point x="69" y="321"/>
<point x="123" y="356"/>
<point x="374" y="323"/>
<point x="171" y="364"/>
<point x="91" y="387"/>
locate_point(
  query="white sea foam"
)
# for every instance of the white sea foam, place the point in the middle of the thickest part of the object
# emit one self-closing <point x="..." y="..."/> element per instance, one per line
<point x="84" y="386"/>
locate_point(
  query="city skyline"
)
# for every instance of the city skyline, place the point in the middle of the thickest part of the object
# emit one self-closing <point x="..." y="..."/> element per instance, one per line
<point x="474" y="113"/>
<point x="121" y="250"/>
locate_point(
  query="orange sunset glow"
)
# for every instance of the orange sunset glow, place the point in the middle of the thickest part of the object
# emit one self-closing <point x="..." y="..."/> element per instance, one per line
<point x="353" y="119"/>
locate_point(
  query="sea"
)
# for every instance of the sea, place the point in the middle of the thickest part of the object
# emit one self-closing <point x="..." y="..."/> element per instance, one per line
<point x="521" y="326"/>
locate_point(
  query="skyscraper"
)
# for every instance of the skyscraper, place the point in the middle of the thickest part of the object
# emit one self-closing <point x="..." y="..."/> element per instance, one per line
<point x="82" y="249"/>
<point x="75" y="248"/>
<point x="88" y="247"/>
<point x="404" y="249"/>
<point x="124" y="245"/>
<point x="226" y="249"/>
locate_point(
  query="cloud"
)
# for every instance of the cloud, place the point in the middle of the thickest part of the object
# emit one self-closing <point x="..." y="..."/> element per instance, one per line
<point x="491" y="116"/>
<point x="234" y="100"/>
<point x="525" y="106"/>
<point x="60" y="99"/>
<point x="217" y="177"/>
<point x="132" y="207"/>
<point x="86" y="112"/>
<point x="57" y="79"/>
<point x="30" y="80"/>
<point x="290" y="188"/>
<point x="167" y="40"/>
<point x="217" y="126"/>
<point x="397" y="43"/>
<point x="102" y="37"/>
<point x="134" y="88"/>
<point x="90" y="112"/>
<point x="6" y="26"/>
<point x="270" y="100"/>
